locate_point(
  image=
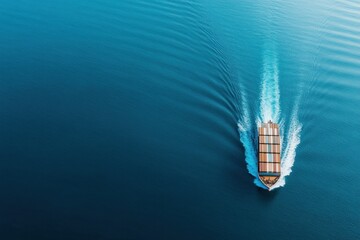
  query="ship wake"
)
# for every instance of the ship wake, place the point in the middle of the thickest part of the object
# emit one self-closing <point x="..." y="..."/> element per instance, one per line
<point x="269" y="109"/>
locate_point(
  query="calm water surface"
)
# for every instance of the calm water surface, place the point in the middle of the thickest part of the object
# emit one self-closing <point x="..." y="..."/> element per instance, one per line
<point x="121" y="119"/>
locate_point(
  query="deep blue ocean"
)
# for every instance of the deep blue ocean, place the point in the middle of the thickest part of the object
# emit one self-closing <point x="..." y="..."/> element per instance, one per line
<point x="136" y="119"/>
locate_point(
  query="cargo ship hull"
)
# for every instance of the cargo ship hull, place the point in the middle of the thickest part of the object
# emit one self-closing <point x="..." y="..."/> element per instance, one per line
<point x="269" y="165"/>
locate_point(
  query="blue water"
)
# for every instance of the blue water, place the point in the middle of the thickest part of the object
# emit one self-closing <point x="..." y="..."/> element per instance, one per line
<point x="136" y="119"/>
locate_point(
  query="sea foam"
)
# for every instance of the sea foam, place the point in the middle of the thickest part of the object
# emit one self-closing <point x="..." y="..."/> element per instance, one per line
<point x="269" y="109"/>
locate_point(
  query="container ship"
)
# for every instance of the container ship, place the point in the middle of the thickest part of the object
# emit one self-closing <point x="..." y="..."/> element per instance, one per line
<point x="269" y="169"/>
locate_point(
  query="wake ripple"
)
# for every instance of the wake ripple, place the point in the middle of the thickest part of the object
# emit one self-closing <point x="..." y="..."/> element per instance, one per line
<point x="269" y="110"/>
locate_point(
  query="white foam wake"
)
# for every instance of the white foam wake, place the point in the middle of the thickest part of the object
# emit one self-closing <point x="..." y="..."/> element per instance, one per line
<point x="269" y="110"/>
<point x="270" y="92"/>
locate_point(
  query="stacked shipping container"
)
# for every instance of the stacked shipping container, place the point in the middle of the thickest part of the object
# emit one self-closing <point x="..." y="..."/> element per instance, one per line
<point x="269" y="149"/>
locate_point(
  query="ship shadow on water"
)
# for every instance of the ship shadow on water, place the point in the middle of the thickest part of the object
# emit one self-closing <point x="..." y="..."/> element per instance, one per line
<point x="237" y="175"/>
<point x="240" y="176"/>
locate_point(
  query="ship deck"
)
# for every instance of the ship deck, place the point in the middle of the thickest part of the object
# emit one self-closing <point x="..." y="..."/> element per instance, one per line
<point x="269" y="148"/>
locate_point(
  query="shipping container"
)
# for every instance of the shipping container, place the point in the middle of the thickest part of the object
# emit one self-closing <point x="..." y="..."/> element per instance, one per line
<point x="269" y="151"/>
